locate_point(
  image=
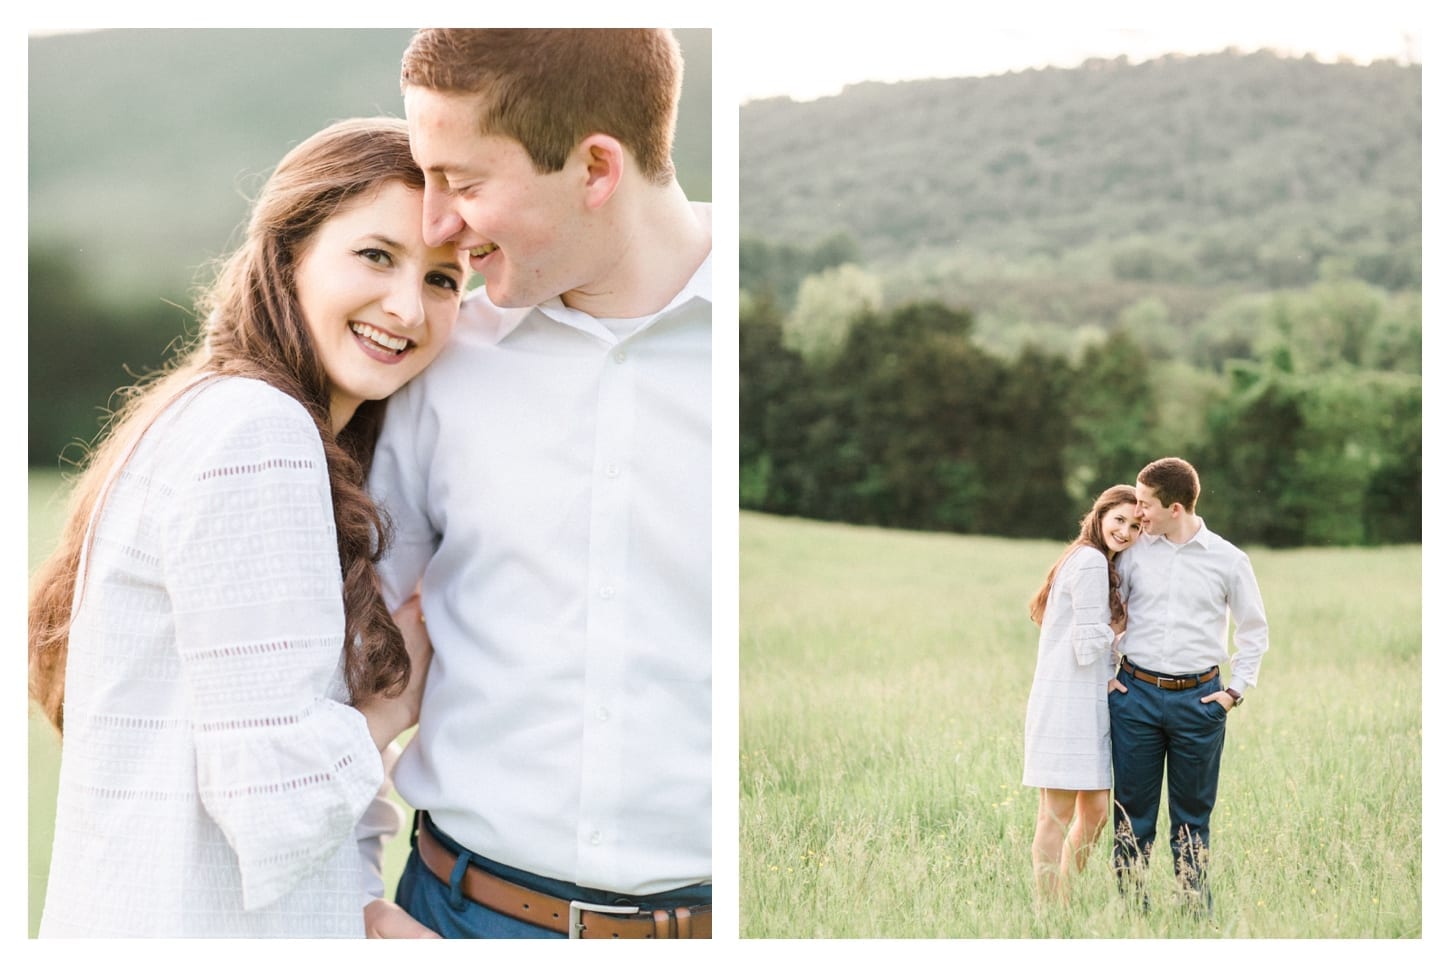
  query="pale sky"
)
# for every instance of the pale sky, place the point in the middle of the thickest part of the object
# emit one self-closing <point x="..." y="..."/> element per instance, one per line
<point x="834" y="54"/>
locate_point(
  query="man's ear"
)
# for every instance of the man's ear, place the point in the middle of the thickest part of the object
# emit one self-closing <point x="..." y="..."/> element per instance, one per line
<point x="603" y="159"/>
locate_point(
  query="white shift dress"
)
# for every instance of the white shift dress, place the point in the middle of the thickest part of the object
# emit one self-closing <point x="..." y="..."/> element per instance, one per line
<point x="212" y="771"/>
<point x="1067" y="745"/>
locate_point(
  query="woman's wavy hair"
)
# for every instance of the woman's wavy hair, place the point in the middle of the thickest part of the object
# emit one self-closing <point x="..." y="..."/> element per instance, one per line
<point x="1090" y="534"/>
<point x="254" y="327"/>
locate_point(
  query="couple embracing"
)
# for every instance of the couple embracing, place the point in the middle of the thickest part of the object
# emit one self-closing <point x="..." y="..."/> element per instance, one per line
<point x="1133" y="678"/>
<point x="271" y="569"/>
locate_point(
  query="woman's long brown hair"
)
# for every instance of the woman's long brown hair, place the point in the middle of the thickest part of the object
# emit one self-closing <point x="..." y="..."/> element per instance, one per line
<point x="254" y="328"/>
<point x="1090" y="534"/>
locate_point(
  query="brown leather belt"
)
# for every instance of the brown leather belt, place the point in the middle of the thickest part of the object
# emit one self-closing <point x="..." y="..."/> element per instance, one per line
<point x="1174" y="683"/>
<point x="589" y="921"/>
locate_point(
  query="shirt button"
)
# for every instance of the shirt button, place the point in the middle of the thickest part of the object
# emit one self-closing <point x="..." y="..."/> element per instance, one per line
<point x="606" y="592"/>
<point x="620" y="356"/>
<point x="602" y="714"/>
<point x="595" y="838"/>
<point x="612" y="470"/>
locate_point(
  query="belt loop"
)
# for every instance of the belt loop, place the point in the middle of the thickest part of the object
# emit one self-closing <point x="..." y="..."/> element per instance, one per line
<point x="456" y="899"/>
<point x="662" y="925"/>
<point x="682" y="923"/>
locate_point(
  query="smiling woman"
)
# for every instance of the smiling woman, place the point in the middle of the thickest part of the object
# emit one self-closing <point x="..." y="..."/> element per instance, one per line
<point x="210" y="631"/>
<point x="1067" y="751"/>
<point x="379" y="303"/>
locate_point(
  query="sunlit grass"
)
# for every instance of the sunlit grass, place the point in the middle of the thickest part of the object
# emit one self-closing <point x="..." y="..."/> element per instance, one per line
<point x="884" y="680"/>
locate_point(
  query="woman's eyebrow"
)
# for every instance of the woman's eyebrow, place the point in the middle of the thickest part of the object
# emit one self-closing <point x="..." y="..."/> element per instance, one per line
<point x="385" y="240"/>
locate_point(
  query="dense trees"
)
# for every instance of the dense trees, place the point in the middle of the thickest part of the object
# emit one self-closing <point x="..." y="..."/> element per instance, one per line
<point x="81" y="351"/>
<point x="914" y="425"/>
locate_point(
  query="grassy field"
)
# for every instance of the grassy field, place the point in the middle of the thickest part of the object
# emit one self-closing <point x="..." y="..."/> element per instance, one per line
<point x="46" y="510"/>
<point x="884" y="678"/>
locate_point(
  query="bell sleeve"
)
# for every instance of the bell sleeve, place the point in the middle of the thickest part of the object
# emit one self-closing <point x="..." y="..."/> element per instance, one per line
<point x="284" y="766"/>
<point x="1092" y="635"/>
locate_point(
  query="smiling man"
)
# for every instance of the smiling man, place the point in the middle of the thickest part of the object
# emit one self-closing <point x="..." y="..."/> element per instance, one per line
<point x="1169" y="705"/>
<point x="549" y="485"/>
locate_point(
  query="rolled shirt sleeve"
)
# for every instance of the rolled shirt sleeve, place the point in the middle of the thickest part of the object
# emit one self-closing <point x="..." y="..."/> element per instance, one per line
<point x="1251" y="626"/>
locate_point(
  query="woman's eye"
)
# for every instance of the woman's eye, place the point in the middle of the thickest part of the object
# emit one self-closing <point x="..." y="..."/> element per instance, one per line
<point x="443" y="281"/>
<point x="376" y="255"/>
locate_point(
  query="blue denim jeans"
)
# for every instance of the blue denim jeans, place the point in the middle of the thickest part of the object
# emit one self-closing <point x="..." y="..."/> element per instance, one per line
<point x="1152" y="729"/>
<point x="444" y="909"/>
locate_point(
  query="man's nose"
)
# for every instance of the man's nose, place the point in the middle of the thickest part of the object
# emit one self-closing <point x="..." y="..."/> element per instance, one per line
<point x="441" y="222"/>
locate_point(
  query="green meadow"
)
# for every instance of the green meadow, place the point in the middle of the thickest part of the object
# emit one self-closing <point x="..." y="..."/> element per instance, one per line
<point x="46" y="515"/>
<point x="883" y="682"/>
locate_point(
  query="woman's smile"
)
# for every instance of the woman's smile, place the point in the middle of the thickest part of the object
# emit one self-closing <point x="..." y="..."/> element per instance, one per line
<point x="380" y="344"/>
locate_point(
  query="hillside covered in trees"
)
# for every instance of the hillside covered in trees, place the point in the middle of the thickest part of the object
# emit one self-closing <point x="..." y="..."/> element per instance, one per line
<point x="970" y="304"/>
<point x="1225" y="168"/>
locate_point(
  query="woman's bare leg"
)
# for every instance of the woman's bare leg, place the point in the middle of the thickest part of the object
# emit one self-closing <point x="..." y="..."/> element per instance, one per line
<point x="1054" y="814"/>
<point x="1092" y="817"/>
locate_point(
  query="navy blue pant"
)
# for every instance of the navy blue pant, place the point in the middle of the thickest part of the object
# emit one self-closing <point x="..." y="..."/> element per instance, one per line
<point x="443" y="909"/>
<point x="1154" y="729"/>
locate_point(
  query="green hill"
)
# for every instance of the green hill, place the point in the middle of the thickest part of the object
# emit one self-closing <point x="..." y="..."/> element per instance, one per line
<point x="1243" y="170"/>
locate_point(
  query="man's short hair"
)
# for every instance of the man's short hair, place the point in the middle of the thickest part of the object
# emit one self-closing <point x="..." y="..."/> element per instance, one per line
<point x="550" y="89"/>
<point x="1173" y="481"/>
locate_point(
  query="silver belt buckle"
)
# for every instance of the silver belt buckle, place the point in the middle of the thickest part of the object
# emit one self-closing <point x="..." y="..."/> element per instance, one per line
<point x="576" y="912"/>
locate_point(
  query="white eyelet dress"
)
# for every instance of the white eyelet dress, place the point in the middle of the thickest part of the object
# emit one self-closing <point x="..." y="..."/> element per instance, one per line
<point x="1067" y="745"/>
<point x="212" y="771"/>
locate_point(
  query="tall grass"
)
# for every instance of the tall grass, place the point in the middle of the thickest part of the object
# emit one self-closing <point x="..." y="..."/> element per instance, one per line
<point x="883" y="685"/>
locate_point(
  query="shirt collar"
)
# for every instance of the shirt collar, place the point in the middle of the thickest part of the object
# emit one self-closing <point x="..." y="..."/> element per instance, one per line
<point x="1203" y="536"/>
<point x="698" y="287"/>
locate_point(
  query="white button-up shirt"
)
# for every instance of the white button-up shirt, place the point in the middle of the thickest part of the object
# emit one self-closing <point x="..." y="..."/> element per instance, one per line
<point x="1180" y="598"/>
<point x="548" y="481"/>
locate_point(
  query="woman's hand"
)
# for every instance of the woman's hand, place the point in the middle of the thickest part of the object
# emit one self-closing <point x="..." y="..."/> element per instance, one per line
<point x="385" y="920"/>
<point x="390" y="717"/>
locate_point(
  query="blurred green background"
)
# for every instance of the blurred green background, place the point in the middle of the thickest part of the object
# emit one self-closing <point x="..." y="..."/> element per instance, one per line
<point x="145" y="148"/>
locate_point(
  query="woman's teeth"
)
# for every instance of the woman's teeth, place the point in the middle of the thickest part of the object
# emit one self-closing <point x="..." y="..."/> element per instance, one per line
<point x="392" y="343"/>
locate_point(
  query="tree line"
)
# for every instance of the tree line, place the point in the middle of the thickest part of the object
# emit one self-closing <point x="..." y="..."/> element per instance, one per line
<point x="1301" y="434"/>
